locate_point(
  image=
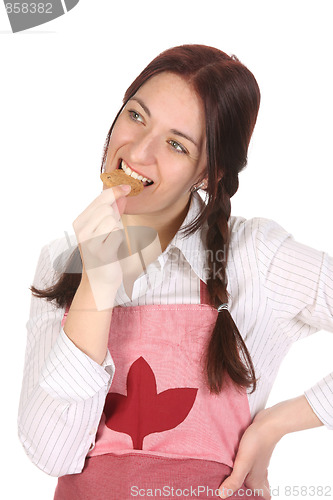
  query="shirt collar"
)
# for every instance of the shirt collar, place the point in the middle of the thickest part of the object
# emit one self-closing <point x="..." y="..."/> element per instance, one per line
<point x="192" y="247"/>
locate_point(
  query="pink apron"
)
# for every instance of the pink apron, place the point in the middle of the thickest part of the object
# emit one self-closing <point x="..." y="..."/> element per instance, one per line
<point x="161" y="428"/>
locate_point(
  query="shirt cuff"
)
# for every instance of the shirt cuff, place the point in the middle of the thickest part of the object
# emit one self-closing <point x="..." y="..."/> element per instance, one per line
<point x="320" y="398"/>
<point x="71" y="375"/>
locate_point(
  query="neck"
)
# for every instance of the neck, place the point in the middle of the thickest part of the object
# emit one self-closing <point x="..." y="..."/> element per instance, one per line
<point x="166" y="225"/>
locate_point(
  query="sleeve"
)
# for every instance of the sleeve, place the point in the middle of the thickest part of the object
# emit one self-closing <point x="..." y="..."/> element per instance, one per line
<point x="298" y="282"/>
<point x="63" y="390"/>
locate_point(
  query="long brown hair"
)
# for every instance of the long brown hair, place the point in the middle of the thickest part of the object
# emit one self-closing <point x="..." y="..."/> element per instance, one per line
<point x="231" y="98"/>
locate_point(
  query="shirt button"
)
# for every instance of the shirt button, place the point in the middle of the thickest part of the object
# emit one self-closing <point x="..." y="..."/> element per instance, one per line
<point x="92" y="431"/>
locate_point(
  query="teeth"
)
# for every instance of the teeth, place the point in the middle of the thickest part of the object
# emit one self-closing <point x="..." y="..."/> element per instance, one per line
<point x="130" y="172"/>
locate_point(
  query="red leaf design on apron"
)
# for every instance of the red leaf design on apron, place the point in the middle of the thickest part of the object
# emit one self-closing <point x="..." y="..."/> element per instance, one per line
<point x="143" y="411"/>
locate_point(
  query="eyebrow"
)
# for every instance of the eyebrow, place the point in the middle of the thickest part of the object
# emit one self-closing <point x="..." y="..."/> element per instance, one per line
<point x="181" y="134"/>
<point x="142" y="104"/>
<point x="173" y="131"/>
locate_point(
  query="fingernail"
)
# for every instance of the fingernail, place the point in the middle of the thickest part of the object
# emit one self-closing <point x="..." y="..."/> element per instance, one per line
<point x="126" y="188"/>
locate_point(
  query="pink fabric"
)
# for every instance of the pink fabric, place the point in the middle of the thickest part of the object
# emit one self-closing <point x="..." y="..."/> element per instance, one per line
<point x="159" y="406"/>
<point x="168" y="342"/>
<point x="128" y="476"/>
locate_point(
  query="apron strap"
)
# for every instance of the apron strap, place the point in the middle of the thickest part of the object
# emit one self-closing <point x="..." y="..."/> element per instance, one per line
<point x="204" y="296"/>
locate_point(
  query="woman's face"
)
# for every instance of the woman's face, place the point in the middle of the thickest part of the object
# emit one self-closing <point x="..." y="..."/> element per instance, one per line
<point x="160" y="134"/>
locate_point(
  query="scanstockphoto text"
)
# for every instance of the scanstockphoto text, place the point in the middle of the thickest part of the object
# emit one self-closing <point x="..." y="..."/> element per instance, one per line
<point x="190" y="492"/>
<point x="280" y="491"/>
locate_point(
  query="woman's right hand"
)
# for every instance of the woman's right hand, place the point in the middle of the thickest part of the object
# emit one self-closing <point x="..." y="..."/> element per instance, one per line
<point x="99" y="233"/>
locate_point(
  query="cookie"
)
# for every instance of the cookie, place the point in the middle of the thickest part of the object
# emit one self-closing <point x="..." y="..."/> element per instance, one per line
<point x="117" y="177"/>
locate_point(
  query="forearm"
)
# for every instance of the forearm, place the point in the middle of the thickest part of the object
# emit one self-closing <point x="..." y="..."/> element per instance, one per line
<point x="61" y="403"/>
<point x="57" y="435"/>
<point x="86" y="326"/>
<point x="289" y="416"/>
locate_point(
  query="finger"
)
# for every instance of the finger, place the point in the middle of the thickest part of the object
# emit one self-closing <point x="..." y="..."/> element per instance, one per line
<point x="267" y="493"/>
<point x="229" y="487"/>
<point x="233" y="482"/>
<point x="260" y="490"/>
<point x="102" y="245"/>
<point x="106" y="226"/>
<point x="121" y="204"/>
<point x="108" y="196"/>
<point x="260" y="486"/>
<point x="102" y="215"/>
<point x="97" y="253"/>
<point x="265" y="490"/>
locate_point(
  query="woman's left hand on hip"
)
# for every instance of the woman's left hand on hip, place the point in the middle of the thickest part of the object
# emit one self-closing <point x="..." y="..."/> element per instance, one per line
<point x="250" y="469"/>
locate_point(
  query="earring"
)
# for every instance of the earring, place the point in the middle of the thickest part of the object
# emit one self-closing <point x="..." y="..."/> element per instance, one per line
<point x="194" y="189"/>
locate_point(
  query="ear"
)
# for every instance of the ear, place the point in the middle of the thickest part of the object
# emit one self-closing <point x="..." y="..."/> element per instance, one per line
<point x="205" y="180"/>
<point x="204" y="183"/>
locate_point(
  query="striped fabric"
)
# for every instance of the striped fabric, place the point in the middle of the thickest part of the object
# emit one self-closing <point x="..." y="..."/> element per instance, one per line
<point x="280" y="291"/>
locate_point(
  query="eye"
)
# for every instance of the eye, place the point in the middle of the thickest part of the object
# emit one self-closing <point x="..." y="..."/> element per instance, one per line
<point x="177" y="147"/>
<point x="135" y="116"/>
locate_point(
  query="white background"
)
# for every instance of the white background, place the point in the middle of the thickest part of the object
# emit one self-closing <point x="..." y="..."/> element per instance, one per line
<point x="61" y="85"/>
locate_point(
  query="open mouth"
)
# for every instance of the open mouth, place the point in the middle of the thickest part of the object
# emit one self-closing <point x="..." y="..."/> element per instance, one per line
<point x="128" y="171"/>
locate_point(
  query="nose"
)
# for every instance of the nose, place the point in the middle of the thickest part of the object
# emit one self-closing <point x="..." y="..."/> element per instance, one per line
<point x="143" y="150"/>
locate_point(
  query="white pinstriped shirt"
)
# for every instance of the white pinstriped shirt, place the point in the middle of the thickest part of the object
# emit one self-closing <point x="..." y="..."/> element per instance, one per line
<point x="280" y="291"/>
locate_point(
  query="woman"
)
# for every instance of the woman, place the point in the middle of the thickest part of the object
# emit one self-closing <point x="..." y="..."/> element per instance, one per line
<point x="139" y="382"/>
